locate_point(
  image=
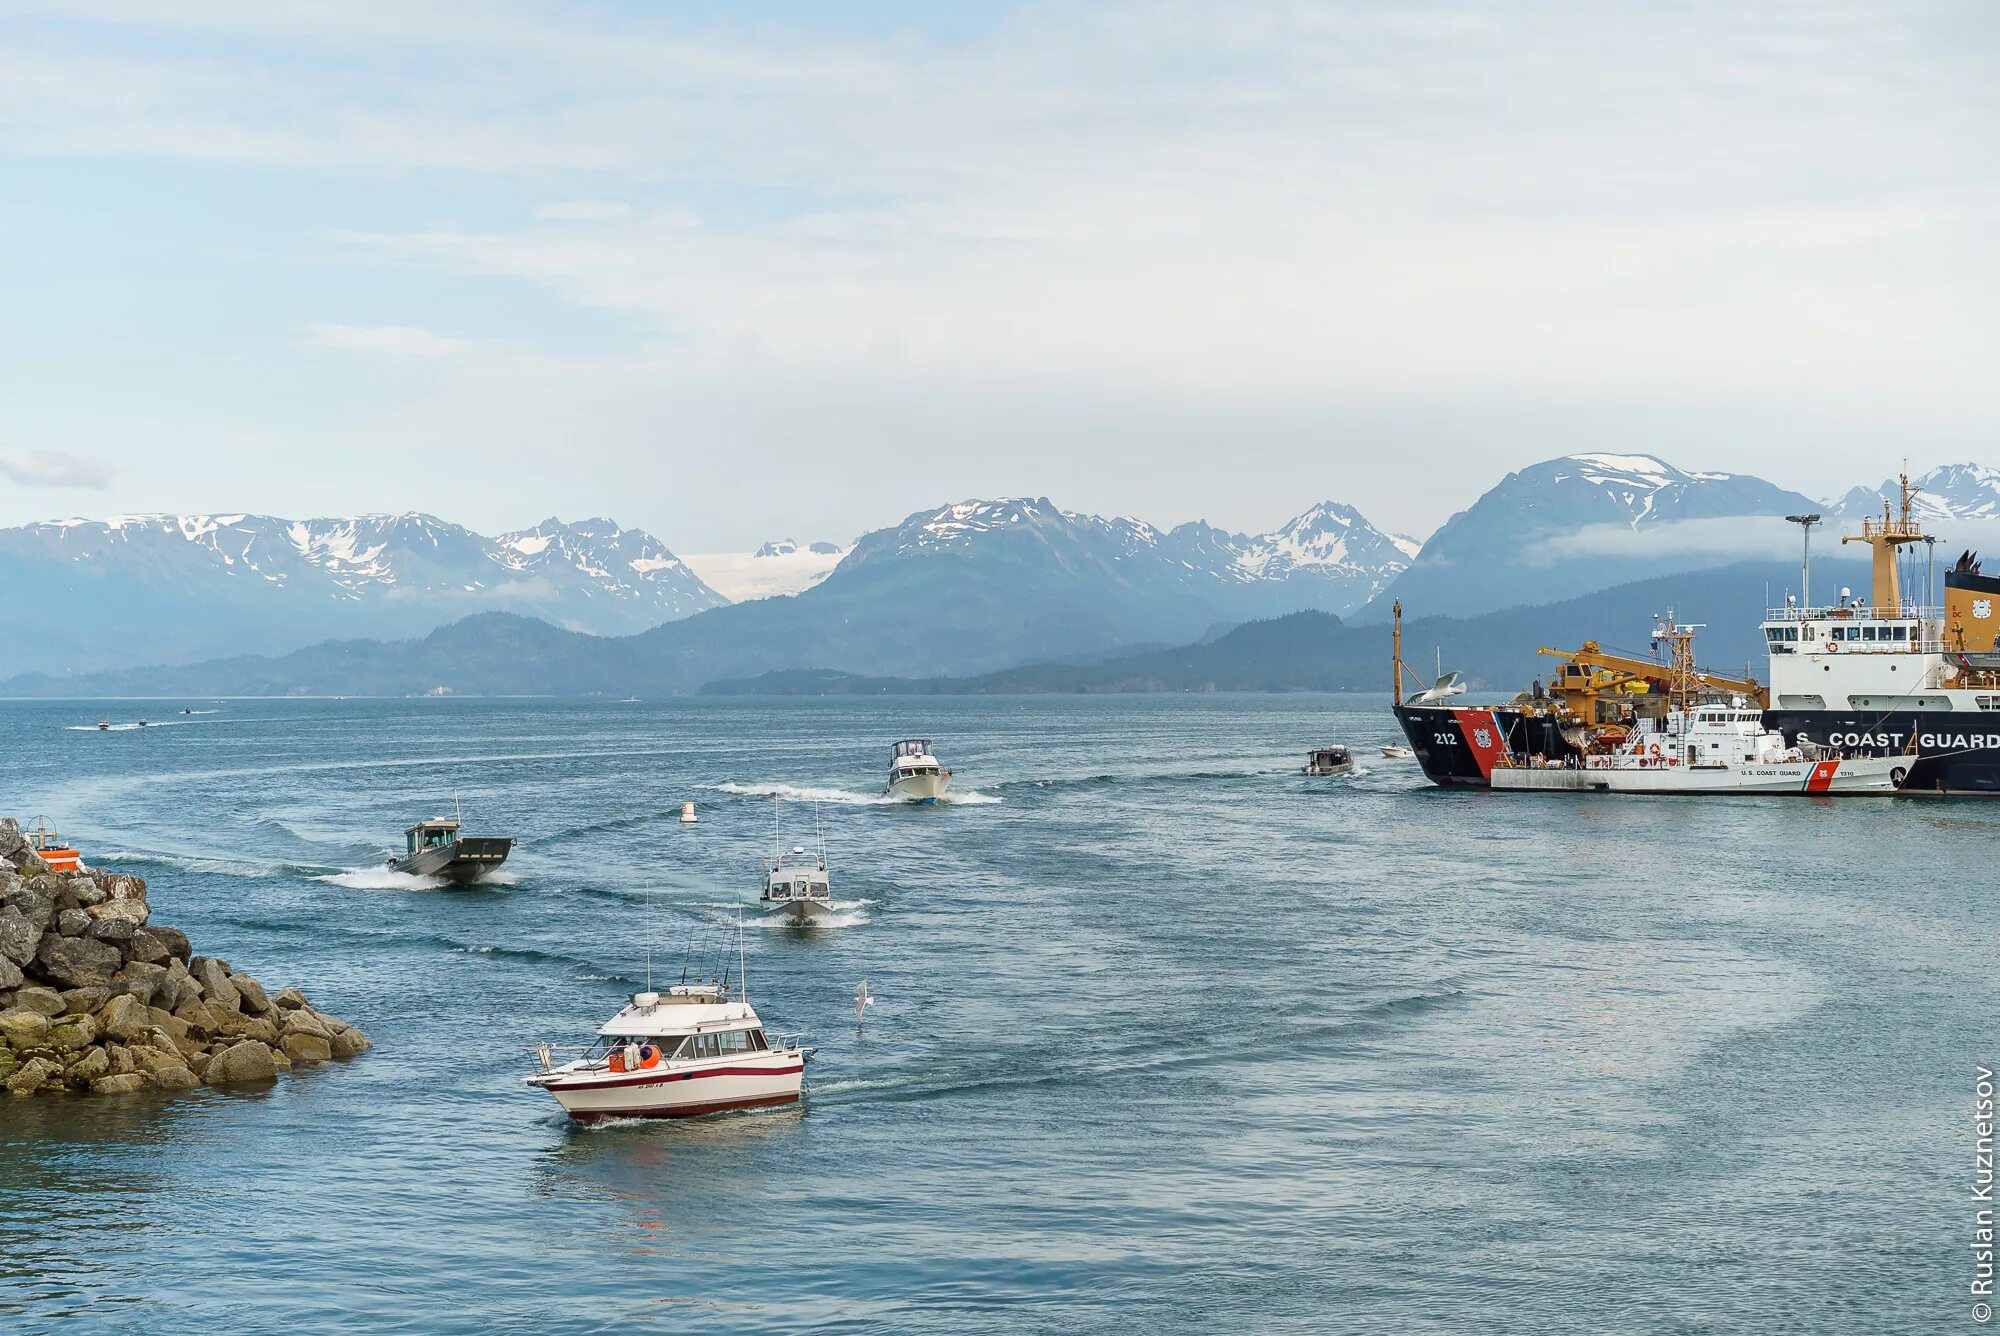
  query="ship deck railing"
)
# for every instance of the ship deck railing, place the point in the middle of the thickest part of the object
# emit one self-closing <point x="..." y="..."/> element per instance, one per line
<point x="1910" y="612"/>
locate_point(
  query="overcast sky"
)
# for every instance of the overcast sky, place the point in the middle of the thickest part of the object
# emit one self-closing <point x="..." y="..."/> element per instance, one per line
<point x="731" y="271"/>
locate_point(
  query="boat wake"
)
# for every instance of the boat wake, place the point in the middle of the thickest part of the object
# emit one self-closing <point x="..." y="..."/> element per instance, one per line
<point x="228" y="867"/>
<point x="382" y="879"/>
<point x="807" y="794"/>
<point x="803" y="794"/>
<point x="840" y="918"/>
<point x="129" y="727"/>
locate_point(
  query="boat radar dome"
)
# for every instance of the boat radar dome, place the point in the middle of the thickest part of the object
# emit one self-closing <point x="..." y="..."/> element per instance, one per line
<point x="1845" y="593"/>
<point x="646" y="1000"/>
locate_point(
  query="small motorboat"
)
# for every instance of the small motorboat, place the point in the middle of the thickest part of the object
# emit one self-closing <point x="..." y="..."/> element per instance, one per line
<point x="796" y="883"/>
<point x="187" y="709"/>
<point x="681" y="1053"/>
<point x="144" y="724"/>
<point x="104" y="725"/>
<point x="49" y="847"/>
<point x="914" y="773"/>
<point x="435" y="848"/>
<point x="1324" y="761"/>
<point x="1396" y="753"/>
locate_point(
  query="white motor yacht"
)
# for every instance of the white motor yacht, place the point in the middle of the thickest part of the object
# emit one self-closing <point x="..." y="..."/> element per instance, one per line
<point x="914" y="773"/>
<point x="687" y="1051"/>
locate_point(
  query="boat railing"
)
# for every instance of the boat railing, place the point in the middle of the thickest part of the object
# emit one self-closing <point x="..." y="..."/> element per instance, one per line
<point x="1846" y="613"/>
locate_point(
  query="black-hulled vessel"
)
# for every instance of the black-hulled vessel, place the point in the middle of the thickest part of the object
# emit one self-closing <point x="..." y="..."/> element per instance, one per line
<point x="435" y="848"/>
<point x="1876" y="676"/>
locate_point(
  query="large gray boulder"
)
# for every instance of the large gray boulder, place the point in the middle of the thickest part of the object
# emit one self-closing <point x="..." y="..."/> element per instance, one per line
<point x="10" y="975"/>
<point x="22" y="1029"/>
<point x="72" y="922"/>
<point x="19" y="935"/>
<point x="32" y="1076"/>
<point x="242" y="1062"/>
<point x="124" y="1084"/>
<point x="37" y="908"/>
<point x="216" y="989"/>
<point x="116" y="930"/>
<point x="76" y="962"/>
<point x="132" y="912"/>
<point x="37" y="998"/>
<point x="252" y="993"/>
<point x="124" y="1017"/>
<point x="306" y="1047"/>
<point x="174" y="940"/>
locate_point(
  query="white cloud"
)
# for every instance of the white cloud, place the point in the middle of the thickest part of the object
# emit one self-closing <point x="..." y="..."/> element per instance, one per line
<point x="1733" y="538"/>
<point x="52" y="468"/>
<point x="381" y="340"/>
<point x="583" y="210"/>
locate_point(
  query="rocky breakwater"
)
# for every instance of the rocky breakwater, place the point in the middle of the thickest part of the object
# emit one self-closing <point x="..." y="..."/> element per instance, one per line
<point x="95" y="997"/>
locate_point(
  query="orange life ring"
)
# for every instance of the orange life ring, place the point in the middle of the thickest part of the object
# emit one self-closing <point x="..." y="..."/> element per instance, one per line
<point x="1656" y="749"/>
<point x="1833" y="647"/>
<point x="649" y="1056"/>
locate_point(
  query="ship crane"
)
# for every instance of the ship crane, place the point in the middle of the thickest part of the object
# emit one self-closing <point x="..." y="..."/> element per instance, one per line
<point x="1628" y="668"/>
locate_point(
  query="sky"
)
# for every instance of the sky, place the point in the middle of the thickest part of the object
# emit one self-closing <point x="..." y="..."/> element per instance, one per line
<point x="730" y="272"/>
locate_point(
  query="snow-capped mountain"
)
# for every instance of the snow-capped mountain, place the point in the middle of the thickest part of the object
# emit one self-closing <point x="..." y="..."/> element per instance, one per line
<point x="1328" y="558"/>
<point x="181" y="586"/>
<point x="1950" y="493"/>
<point x="779" y="566"/>
<point x="1589" y="521"/>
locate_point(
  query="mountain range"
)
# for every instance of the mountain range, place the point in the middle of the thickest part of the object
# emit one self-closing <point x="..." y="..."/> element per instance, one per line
<point x="962" y="590"/>
<point x="177" y="587"/>
<point x="187" y="588"/>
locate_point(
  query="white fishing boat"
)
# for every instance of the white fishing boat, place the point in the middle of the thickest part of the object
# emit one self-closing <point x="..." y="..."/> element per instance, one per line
<point x="689" y="1050"/>
<point x="1396" y="753"/>
<point x="914" y="772"/>
<point x="1324" y="761"/>
<point x="796" y="882"/>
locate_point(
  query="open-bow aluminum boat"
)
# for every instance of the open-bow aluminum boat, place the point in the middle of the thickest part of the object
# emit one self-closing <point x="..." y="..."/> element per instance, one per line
<point x="796" y="883"/>
<point x="687" y="1051"/>
<point x="914" y="773"/>
<point x="435" y="848"/>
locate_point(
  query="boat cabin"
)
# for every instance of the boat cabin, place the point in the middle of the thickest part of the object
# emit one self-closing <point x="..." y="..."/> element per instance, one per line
<point x="797" y="875"/>
<point x="1329" y="756"/>
<point x="437" y="833"/>
<point x="913" y="756"/>
<point x="687" y="1021"/>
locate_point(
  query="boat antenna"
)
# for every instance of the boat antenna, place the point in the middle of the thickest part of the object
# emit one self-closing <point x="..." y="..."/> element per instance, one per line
<point x="649" y="939"/>
<point x="457" y="812"/>
<point x="742" y="970"/>
<point x="1805" y="523"/>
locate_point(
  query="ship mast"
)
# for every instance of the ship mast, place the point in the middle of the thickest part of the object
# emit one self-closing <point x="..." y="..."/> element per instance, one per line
<point x="1683" y="678"/>
<point x="1886" y="536"/>
<point x="1396" y="636"/>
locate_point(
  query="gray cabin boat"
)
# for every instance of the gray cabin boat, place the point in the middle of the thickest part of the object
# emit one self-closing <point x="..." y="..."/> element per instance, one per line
<point x="434" y="848"/>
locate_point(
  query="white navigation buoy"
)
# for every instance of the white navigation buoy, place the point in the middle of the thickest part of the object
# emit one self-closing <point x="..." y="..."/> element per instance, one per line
<point x="687" y="813"/>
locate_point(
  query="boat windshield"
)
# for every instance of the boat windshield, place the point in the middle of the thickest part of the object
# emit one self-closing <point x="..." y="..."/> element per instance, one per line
<point x="913" y="747"/>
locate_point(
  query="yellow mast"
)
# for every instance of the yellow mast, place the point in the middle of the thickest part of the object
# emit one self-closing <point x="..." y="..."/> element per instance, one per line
<point x="1885" y="536"/>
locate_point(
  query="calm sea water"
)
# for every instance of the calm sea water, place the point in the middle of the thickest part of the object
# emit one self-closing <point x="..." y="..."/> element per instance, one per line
<point x="1169" y="1038"/>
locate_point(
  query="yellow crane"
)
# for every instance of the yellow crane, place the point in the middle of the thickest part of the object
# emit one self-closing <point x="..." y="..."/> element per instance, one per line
<point x="1623" y="670"/>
